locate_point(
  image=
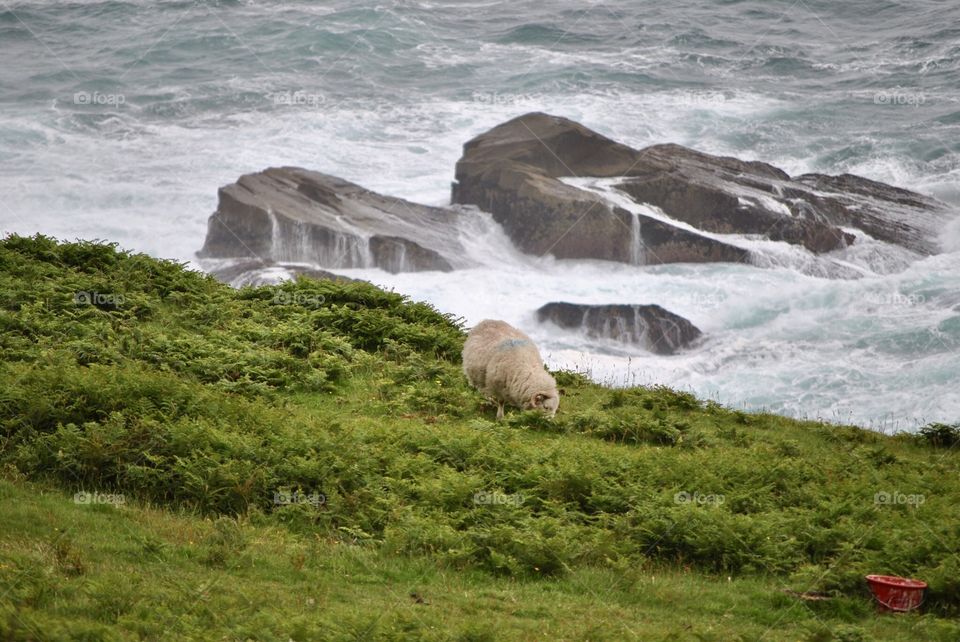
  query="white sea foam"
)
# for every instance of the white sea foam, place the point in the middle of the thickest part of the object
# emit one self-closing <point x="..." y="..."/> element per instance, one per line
<point x="864" y="351"/>
<point x="880" y="350"/>
<point x="777" y="340"/>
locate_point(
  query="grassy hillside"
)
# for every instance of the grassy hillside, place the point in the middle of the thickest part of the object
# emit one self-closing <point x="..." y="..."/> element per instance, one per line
<point x="306" y="461"/>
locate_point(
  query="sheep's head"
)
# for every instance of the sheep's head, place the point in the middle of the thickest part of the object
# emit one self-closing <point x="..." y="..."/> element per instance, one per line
<point x="547" y="402"/>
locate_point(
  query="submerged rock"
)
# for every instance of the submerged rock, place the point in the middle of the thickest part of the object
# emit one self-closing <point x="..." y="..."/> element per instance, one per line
<point x="649" y="326"/>
<point x="293" y="215"/>
<point x="255" y="272"/>
<point x="514" y="170"/>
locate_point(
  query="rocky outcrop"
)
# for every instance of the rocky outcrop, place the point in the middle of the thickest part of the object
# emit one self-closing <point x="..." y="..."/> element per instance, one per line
<point x="292" y="215"/>
<point x="649" y="326"/>
<point x="885" y="212"/>
<point x="254" y="272"/>
<point x="513" y="171"/>
<point x="729" y="196"/>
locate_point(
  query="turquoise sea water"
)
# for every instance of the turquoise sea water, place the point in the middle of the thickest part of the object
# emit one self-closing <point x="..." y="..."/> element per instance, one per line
<point x="119" y="120"/>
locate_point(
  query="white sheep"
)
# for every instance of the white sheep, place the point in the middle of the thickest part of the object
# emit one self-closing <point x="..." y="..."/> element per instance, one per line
<point x="504" y="364"/>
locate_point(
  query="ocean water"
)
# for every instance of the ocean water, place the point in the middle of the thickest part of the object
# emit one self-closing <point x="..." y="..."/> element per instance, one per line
<point x="120" y="119"/>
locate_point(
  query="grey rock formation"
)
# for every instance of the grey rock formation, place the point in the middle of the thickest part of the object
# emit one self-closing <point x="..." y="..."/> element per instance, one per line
<point x="292" y="215"/>
<point x="512" y="171"/>
<point x="255" y="272"/>
<point x="649" y="326"/>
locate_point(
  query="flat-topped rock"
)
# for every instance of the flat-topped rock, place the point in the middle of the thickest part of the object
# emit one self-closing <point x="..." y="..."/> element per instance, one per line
<point x="293" y="215"/>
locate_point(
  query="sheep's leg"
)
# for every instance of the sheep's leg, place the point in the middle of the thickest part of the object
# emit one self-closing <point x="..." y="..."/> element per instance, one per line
<point x="499" y="410"/>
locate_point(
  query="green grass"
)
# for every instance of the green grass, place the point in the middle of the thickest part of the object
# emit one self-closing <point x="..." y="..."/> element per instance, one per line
<point x="634" y="514"/>
<point x="87" y="572"/>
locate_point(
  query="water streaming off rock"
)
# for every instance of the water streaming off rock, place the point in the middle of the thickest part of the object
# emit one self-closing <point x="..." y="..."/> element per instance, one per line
<point x="387" y="98"/>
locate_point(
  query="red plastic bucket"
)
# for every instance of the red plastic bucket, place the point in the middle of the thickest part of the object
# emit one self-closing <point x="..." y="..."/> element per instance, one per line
<point x="896" y="593"/>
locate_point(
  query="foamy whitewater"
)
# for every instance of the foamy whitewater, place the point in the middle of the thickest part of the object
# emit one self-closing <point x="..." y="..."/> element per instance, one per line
<point x="119" y="121"/>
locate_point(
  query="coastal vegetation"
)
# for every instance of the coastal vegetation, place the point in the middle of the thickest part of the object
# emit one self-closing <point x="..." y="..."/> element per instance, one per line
<point x="306" y="461"/>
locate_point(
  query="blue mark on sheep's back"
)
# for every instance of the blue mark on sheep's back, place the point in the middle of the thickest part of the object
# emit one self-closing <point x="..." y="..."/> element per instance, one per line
<point x="509" y="344"/>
